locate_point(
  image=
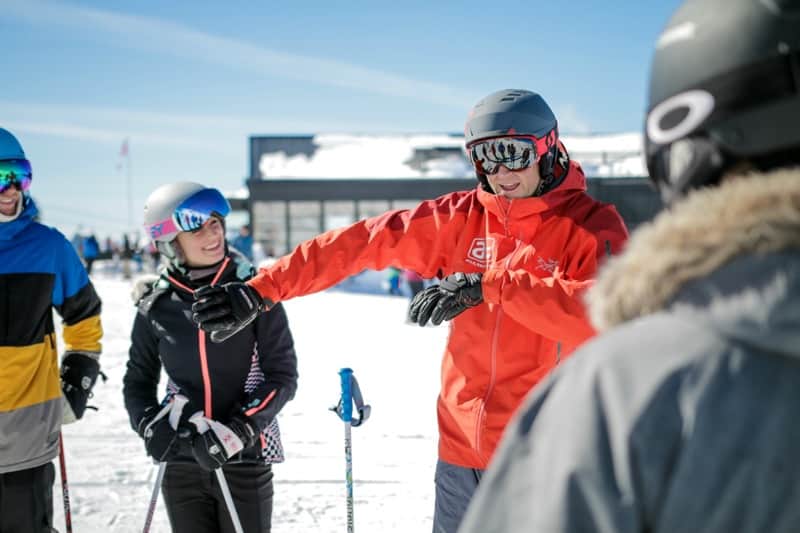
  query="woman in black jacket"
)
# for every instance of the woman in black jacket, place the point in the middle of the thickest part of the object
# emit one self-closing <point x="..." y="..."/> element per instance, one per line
<point x="222" y="398"/>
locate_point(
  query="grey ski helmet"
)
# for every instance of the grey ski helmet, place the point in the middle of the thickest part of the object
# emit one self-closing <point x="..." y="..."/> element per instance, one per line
<point x="162" y="213"/>
<point x="724" y="87"/>
<point x="520" y="113"/>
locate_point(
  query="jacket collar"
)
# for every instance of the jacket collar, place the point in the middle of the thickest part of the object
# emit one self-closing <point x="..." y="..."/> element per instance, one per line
<point x="9" y="230"/>
<point x="502" y="207"/>
<point x="238" y="268"/>
<point x="752" y="215"/>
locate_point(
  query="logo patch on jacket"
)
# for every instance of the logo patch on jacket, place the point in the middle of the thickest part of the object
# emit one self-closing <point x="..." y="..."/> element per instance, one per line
<point x="548" y="265"/>
<point x="480" y="252"/>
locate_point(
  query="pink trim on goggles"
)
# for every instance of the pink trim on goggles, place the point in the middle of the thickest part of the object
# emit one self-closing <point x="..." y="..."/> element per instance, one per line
<point x="162" y="228"/>
<point x="515" y="152"/>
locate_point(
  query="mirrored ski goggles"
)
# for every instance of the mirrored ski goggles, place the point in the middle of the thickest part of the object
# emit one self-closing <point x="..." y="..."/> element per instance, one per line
<point x="514" y="153"/>
<point x="192" y="214"/>
<point x="15" y="173"/>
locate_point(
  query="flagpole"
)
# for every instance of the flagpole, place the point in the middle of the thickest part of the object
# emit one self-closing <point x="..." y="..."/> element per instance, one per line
<point x="126" y="261"/>
<point x="130" y="185"/>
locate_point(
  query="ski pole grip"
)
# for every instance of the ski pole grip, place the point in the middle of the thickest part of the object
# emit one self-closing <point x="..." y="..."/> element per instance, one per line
<point x="346" y="376"/>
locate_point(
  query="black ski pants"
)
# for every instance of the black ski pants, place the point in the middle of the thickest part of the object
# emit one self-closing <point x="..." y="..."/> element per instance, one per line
<point x="26" y="500"/>
<point x="195" y="503"/>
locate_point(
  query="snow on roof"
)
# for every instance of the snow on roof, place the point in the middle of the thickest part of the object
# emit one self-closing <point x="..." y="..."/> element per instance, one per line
<point x="338" y="156"/>
<point x="242" y="193"/>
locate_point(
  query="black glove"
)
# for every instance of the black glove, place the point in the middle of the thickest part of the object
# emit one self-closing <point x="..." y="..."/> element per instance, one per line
<point x="215" y="443"/>
<point x="161" y="427"/>
<point x="454" y="295"/>
<point x="79" y="373"/>
<point x="224" y="310"/>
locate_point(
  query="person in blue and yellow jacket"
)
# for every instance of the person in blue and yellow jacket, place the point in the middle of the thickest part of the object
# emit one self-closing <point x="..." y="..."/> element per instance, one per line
<point x="39" y="272"/>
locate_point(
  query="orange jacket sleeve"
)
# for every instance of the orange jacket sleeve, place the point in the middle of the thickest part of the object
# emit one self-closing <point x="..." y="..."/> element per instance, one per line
<point x="418" y="239"/>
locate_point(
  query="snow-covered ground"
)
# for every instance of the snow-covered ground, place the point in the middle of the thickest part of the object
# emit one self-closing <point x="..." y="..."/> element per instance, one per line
<point x="394" y="453"/>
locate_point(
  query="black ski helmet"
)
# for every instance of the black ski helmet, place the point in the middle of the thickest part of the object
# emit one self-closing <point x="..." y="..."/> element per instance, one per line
<point x="516" y="112"/>
<point x="724" y="87"/>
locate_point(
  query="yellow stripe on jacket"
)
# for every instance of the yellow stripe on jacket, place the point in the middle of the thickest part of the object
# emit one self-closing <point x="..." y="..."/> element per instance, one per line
<point x="29" y="375"/>
<point x="84" y="336"/>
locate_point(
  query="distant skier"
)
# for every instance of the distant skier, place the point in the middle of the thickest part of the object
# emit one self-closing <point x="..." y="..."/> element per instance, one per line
<point x="237" y="387"/>
<point x="91" y="249"/>
<point x="39" y="271"/>
<point x="683" y="415"/>
<point x="244" y="242"/>
<point x="516" y="254"/>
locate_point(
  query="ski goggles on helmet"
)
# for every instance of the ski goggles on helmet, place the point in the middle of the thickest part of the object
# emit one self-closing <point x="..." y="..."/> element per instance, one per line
<point x="192" y="214"/>
<point x="15" y="173"/>
<point x="514" y="153"/>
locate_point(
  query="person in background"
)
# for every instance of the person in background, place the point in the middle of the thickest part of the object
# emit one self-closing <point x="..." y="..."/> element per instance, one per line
<point x="77" y="240"/>
<point x="515" y="256"/>
<point x="393" y="281"/>
<point x="91" y="249"/>
<point x="244" y="242"/>
<point x="40" y="272"/>
<point x="682" y="415"/>
<point x="235" y="388"/>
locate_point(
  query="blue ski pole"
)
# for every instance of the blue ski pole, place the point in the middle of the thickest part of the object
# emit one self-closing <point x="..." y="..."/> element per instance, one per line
<point x="351" y="394"/>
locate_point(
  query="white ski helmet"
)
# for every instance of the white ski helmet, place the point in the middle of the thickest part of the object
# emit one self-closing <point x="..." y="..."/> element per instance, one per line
<point x="177" y="207"/>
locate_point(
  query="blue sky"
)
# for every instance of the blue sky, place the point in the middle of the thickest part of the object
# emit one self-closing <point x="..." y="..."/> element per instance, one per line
<point x="188" y="81"/>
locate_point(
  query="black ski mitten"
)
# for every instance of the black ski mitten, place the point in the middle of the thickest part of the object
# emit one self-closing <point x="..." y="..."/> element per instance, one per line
<point x="224" y="310"/>
<point x="79" y="371"/>
<point x="423" y="304"/>
<point x="454" y="295"/>
<point x="162" y="426"/>
<point x="215" y="443"/>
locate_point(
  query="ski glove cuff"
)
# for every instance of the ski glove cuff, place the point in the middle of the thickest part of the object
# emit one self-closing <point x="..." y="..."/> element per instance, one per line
<point x="224" y="310"/>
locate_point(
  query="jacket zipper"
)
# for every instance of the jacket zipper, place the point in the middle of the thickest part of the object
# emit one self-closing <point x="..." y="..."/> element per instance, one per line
<point x="201" y="345"/>
<point x="495" y="341"/>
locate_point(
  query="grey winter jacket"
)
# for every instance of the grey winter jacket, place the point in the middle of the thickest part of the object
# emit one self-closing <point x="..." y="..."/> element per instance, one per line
<point x="684" y="415"/>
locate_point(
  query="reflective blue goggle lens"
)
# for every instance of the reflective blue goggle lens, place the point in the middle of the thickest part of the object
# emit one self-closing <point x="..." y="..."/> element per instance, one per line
<point x="15" y="173"/>
<point x="196" y="210"/>
<point x="514" y="153"/>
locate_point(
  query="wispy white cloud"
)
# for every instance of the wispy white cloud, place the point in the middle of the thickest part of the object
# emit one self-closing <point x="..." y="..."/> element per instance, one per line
<point x="215" y="134"/>
<point x="113" y="137"/>
<point x="571" y="121"/>
<point x="165" y="37"/>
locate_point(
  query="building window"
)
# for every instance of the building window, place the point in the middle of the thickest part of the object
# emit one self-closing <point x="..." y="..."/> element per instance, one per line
<point x="304" y="222"/>
<point x="270" y="227"/>
<point x="372" y="208"/>
<point x="338" y="214"/>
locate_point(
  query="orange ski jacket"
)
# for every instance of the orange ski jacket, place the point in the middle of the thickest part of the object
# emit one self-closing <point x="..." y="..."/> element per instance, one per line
<point x="538" y="255"/>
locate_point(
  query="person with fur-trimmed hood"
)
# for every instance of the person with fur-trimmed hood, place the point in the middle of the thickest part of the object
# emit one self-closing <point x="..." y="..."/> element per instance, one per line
<point x="40" y="272"/>
<point x="683" y="414"/>
<point x="222" y="398"/>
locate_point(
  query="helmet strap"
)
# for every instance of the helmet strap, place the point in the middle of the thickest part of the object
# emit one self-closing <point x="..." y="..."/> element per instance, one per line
<point x="553" y="168"/>
<point x="692" y="162"/>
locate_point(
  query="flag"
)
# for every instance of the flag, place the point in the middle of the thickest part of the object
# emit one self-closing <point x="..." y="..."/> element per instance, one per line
<point x="123" y="154"/>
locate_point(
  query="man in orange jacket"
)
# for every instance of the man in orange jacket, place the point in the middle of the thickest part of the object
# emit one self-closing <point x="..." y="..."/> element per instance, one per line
<point x="516" y="255"/>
